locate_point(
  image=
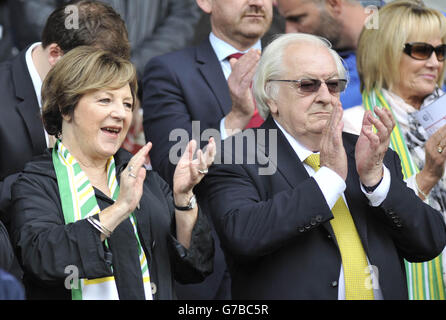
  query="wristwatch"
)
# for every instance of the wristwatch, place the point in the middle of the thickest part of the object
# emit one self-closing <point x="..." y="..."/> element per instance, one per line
<point x="372" y="188"/>
<point x="192" y="204"/>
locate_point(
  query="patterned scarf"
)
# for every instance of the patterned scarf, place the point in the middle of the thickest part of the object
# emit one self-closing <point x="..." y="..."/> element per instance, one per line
<point x="425" y="280"/>
<point x="79" y="202"/>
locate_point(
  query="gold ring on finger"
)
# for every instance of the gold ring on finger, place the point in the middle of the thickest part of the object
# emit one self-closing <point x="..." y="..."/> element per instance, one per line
<point x="440" y="149"/>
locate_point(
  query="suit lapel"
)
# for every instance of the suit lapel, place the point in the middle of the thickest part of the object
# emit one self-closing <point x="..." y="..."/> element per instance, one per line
<point x="28" y="107"/>
<point x="288" y="163"/>
<point x="292" y="170"/>
<point x="212" y="73"/>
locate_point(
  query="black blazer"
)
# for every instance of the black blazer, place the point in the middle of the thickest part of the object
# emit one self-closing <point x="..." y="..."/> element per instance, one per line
<point x="45" y="245"/>
<point x="181" y="87"/>
<point x="276" y="234"/>
<point x="21" y="130"/>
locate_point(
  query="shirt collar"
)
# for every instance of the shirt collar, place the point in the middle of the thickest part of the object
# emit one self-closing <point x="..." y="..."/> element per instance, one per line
<point x="35" y="78"/>
<point x="223" y="49"/>
<point x="300" y="150"/>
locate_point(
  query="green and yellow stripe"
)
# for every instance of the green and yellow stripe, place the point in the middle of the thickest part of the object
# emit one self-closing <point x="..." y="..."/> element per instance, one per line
<point x="425" y="280"/>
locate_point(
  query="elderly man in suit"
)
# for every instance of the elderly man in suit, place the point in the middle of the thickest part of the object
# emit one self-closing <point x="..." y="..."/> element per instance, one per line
<point x="334" y="219"/>
<point x="208" y="85"/>
<point x="22" y="135"/>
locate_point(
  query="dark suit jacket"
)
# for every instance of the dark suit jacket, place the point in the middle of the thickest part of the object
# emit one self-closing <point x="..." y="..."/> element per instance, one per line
<point x="46" y="246"/>
<point x="181" y="87"/>
<point x="21" y="130"/>
<point x="275" y="230"/>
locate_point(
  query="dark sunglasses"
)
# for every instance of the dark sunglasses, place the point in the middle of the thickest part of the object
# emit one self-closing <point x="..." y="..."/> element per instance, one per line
<point x="423" y="51"/>
<point x="313" y="85"/>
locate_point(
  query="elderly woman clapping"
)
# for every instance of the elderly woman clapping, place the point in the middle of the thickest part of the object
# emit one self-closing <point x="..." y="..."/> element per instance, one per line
<point x="401" y="67"/>
<point x="89" y="221"/>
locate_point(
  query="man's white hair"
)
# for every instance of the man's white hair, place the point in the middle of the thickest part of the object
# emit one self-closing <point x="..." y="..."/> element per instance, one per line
<point x="271" y="66"/>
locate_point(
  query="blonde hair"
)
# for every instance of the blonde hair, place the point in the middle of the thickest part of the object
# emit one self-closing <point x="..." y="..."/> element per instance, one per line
<point x="82" y="70"/>
<point x="271" y="66"/>
<point x="380" y="50"/>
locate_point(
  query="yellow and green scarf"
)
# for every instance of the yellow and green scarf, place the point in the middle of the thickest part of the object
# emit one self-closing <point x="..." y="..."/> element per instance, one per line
<point x="424" y="280"/>
<point x="79" y="202"/>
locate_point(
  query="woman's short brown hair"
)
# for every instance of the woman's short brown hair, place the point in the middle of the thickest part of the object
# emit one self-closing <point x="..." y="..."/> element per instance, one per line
<point x="380" y="50"/>
<point x="82" y="70"/>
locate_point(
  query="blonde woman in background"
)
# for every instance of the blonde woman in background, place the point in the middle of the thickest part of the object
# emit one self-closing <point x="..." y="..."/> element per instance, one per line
<point x="401" y="68"/>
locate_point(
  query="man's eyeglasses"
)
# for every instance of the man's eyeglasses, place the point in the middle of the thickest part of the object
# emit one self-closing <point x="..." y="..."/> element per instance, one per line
<point x="313" y="85"/>
<point x="423" y="51"/>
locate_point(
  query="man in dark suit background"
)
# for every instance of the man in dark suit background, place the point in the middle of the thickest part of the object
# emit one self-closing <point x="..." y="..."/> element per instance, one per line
<point x="296" y="227"/>
<point x="22" y="134"/>
<point x="195" y="84"/>
<point x="154" y="26"/>
<point x="202" y="84"/>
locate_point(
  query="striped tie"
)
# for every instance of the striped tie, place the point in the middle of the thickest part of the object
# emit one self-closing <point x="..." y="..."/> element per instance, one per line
<point x="354" y="261"/>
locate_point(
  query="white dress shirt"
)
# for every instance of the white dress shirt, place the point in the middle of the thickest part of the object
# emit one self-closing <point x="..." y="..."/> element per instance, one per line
<point x="333" y="187"/>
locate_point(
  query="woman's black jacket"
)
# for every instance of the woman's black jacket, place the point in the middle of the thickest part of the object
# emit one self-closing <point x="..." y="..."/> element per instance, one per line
<point x="51" y="252"/>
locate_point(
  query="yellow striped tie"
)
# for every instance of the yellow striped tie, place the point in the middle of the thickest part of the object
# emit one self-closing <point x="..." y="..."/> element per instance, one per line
<point x="354" y="261"/>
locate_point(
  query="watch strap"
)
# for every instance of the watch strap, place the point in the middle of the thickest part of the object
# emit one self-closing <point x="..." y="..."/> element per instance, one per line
<point x="190" y="205"/>
<point x="372" y="188"/>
